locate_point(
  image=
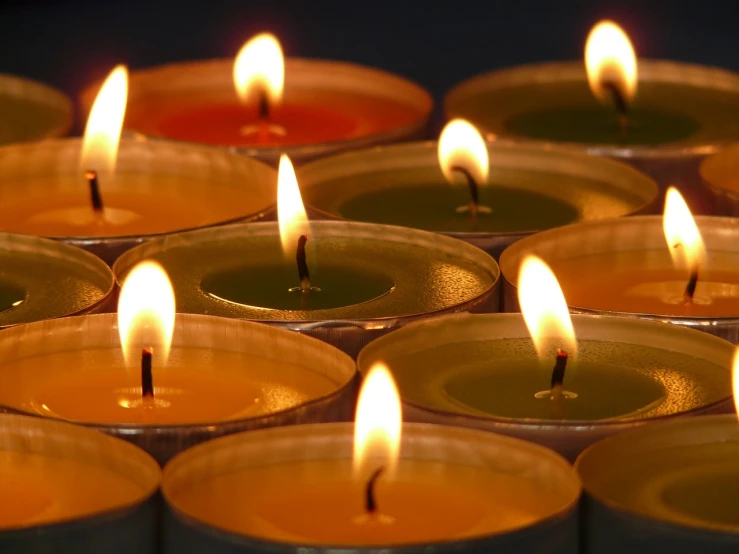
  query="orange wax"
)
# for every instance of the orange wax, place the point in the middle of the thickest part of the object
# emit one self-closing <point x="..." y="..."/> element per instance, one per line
<point x="196" y="386"/>
<point x="37" y="489"/>
<point x="647" y="283"/>
<point x="318" y="118"/>
<point x="319" y="502"/>
<point x="137" y="204"/>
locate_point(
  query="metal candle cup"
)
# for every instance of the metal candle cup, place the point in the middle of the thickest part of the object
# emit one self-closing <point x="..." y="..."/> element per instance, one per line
<point x="65" y="488"/>
<point x="664" y="488"/>
<point x="592" y="259"/>
<point x="161" y="187"/>
<point x="369" y="106"/>
<point x="44" y="279"/>
<point x="403" y="185"/>
<point x="379" y="277"/>
<point x="432" y="466"/>
<point x="719" y="173"/>
<point x="268" y="377"/>
<point x="482" y="371"/>
<point x="38" y="111"/>
<point x="688" y="108"/>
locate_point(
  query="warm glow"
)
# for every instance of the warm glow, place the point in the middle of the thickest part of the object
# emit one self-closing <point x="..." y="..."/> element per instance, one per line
<point x="544" y="309"/>
<point x="378" y="421"/>
<point x="681" y="233"/>
<point x="735" y="373"/>
<point x="146" y="313"/>
<point x="610" y="57"/>
<point x="462" y="145"/>
<point x="291" y="214"/>
<point x="260" y="69"/>
<point x="104" y="124"/>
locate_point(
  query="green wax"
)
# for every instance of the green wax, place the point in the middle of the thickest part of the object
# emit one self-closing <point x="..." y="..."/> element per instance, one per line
<point x="22" y="119"/>
<point x="12" y="295"/>
<point x="500" y="378"/>
<point x="274" y="286"/>
<point x="432" y="207"/>
<point x="600" y="125"/>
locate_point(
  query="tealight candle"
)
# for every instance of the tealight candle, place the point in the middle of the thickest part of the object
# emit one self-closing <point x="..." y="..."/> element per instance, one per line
<point x="105" y="199"/>
<point x="647" y="267"/>
<point x="31" y="111"/>
<point x="220" y="377"/>
<point x="369" y="487"/>
<point x="263" y="105"/>
<point x="45" y="279"/>
<point x="520" y="190"/>
<point x="352" y="281"/>
<point x="483" y="371"/>
<point x="65" y="487"/>
<point x="669" y="487"/>
<point x="661" y="116"/>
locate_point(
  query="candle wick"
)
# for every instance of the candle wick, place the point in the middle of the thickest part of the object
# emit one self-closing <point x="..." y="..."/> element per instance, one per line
<point x="474" y="193"/>
<point x="370" y="505"/>
<point x="264" y="110"/>
<point x="147" y="381"/>
<point x="302" y="260"/>
<point x="558" y="375"/>
<point x="95" y="198"/>
<point x="691" y="286"/>
<point x="620" y="103"/>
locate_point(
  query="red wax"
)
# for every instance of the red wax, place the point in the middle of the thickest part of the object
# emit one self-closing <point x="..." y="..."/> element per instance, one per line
<point x="311" y="121"/>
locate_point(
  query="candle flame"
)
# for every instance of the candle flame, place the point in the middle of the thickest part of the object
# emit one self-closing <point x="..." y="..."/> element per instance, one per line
<point x="682" y="234"/>
<point x="544" y="309"/>
<point x="259" y="69"/>
<point x="378" y="422"/>
<point x="291" y="215"/>
<point x="104" y="124"/>
<point x="146" y="312"/>
<point x="461" y="145"/>
<point x="610" y="58"/>
<point x="735" y="380"/>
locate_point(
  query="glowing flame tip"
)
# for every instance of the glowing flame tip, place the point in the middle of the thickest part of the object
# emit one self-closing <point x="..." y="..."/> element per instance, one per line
<point x="462" y="145"/>
<point x="610" y="60"/>
<point x="259" y="69"/>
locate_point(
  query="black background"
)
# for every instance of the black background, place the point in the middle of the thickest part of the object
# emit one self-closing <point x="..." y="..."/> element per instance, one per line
<point x="437" y="43"/>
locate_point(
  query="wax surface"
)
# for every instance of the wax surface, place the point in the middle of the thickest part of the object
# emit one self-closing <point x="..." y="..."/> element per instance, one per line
<point x="696" y="485"/>
<point x="313" y="118"/>
<point x="646" y="282"/>
<point x="36" y="489"/>
<point x="136" y="204"/>
<point x="500" y="378"/>
<point x="23" y="119"/>
<point x="49" y="286"/>
<point x="521" y="199"/>
<point x="196" y="386"/>
<point x="319" y="502"/>
<point x="273" y="287"/>
<point x="425" y="280"/>
<point x="662" y="113"/>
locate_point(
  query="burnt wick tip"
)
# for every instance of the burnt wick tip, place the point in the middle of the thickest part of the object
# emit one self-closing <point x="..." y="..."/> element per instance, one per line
<point x="95" y="198"/>
<point x="147" y="380"/>
<point x="471" y="183"/>
<point x="302" y="260"/>
<point x="560" y="366"/>
<point x="691" y="286"/>
<point x="264" y="111"/>
<point x="370" y="504"/>
<point x="619" y="98"/>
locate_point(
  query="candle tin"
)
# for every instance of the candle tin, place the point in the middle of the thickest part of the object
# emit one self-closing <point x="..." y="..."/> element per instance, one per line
<point x="557" y="532"/>
<point x="705" y="99"/>
<point x="664" y="488"/>
<point x="192" y="332"/>
<point x="719" y="173"/>
<point x="120" y="530"/>
<point x="422" y="274"/>
<point x="228" y="187"/>
<point x="44" y="279"/>
<point x="32" y="111"/>
<point x="590" y="188"/>
<point x="677" y="371"/>
<point x="642" y="238"/>
<point x="161" y="90"/>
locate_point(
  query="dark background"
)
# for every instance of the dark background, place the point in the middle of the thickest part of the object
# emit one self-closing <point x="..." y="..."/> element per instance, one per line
<point x="437" y="43"/>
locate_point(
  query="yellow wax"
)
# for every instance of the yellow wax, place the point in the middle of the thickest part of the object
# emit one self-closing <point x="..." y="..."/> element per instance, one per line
<point x="320" y="502"/>
<point x="136" y="205"/>
<point x="37" y="489"/>
<point x="196" y="386"/>
<point x="623" y="282"/>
